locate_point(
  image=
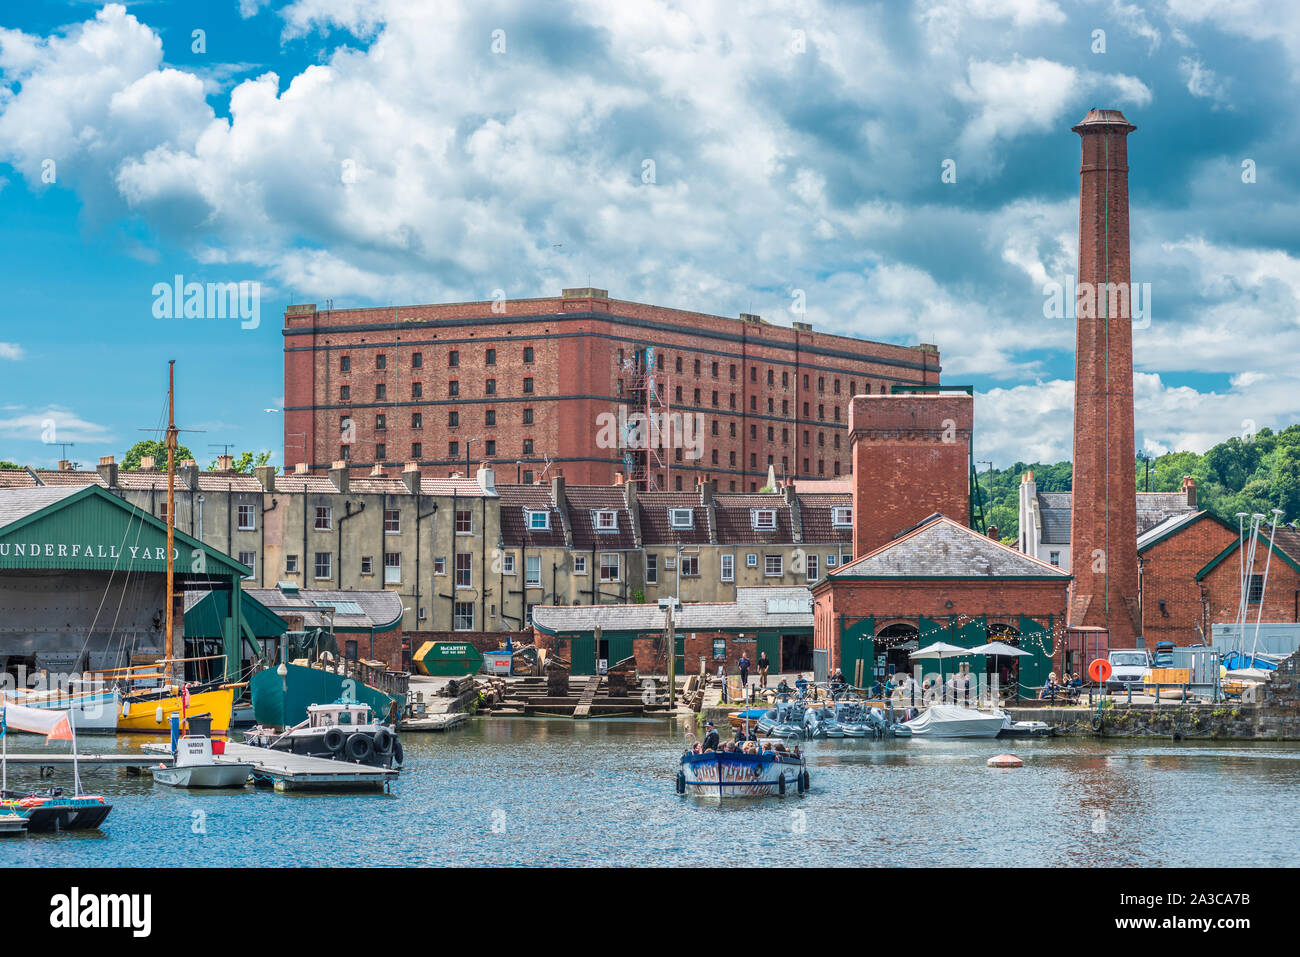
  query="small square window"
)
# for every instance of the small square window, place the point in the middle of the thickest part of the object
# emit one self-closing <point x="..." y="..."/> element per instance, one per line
<point x="367" y="565"/>
<point x="606" y="520"/>
<point x="579" y="564"/>
<point x="681" y="517"/>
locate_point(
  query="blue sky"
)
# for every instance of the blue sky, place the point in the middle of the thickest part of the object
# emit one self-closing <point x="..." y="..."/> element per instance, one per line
<point x="377" y="151"/>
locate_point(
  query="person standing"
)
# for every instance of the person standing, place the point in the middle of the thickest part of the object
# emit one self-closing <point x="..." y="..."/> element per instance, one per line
<point x="710" y="737"/>
<point x="763" y="665"/>
<point x="743" y="664"/>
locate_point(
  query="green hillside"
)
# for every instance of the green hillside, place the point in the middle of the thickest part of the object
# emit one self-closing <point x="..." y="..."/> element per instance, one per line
<point x="1255" y="475"/>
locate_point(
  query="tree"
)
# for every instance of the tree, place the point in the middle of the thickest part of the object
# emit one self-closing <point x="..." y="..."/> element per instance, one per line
<point x="245" y="462"/>
<point x="6" y="464"/>
<point x="158" y="449"/>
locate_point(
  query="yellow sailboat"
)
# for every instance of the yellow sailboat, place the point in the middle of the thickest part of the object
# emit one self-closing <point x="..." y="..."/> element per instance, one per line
<point x="150" y="709"/>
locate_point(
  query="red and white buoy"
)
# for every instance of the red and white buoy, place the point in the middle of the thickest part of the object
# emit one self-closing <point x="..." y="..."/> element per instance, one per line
<point x="1005" y="761"/>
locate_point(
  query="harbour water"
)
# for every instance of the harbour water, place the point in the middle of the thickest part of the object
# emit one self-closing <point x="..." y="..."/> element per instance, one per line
<point x="543" y="792"/>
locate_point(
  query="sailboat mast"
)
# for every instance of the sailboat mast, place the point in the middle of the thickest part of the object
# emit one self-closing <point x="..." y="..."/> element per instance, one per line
<point x="171" y="500"/>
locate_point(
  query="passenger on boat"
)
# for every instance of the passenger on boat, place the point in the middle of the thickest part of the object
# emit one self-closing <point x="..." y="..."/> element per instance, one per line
<point x="710" y="737"/>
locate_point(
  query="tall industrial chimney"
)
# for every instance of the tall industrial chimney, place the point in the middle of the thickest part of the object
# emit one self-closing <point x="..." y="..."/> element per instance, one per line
<point x="1103" y="519"/>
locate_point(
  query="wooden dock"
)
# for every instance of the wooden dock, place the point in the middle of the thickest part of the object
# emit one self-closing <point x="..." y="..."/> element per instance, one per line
<point x="298" y="772"/>
<point x="583" y="708"/>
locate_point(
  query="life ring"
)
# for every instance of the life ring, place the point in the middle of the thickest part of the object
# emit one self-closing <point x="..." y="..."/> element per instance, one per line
<point x="31" y="802"/>
<point x="334" y="739"/>
<point x="360" y="748"/>
<point x="681" y="783"/>
<point x="1098" y="723"/>
<point x="780" y="784"/>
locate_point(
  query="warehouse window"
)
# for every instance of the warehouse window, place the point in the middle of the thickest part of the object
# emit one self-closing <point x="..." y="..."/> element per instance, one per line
<point x="453" y="387"/>
<point x="528" y="353"/>
<point x="381" y="453"/>
<point x="417" y="420"/>
<point x="381" y="422"/>
<point x="345" y="393"/>
<point x="490" y="387"/>
<point x="491" y="357"/>
<point x="381" y="361"/>
<point x="453" y="450"/>
<point x="417" y="450"/>
<point x="1256" y="593"/>
<point x="345" y="363"/>
<point x="490" y="447"/>
<point x="490" y="417"/>
<point x="528" y="386"/>
<point x="453" y="358"/>
<point x="381" y="392"/>
<point x="417" y="360"/>
<point x="417" y="390"/>
<point x="324" y="565"/>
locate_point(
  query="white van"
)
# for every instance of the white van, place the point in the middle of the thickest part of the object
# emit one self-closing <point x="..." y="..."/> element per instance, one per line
<point x="1128" y="666"/>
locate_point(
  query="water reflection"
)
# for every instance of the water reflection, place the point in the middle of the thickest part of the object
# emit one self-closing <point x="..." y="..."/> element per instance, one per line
<point x="555" y="791"/>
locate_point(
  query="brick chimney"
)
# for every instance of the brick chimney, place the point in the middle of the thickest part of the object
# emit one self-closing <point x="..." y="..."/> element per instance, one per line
<point x="265" y="477"/>
<point x="487" y="479"/>
<point x="411" y="476"/>
<point x="108" y="470"/>
<point x="65" y="465"/>
<point x="339" y="475"/>
<point x="993" y="533"/>
<point x="1189" y="489"/>
<point x="557" y="490"/>
<point x="1103" y="517"/>
<point x="188" y="473"/>
<point x="225" y="463"/>
<point x="300" y="468"/>
<point x="146" y="462"/>
<point x="377" y="471"/>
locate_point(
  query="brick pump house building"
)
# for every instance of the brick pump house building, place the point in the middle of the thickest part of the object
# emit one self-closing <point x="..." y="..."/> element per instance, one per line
<point x="528" y="384"/>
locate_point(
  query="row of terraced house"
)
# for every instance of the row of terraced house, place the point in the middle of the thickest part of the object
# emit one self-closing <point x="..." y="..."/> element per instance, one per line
<point x="472" y="555"/>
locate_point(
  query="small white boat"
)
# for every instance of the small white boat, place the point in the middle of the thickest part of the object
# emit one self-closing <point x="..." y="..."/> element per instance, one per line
<point x="197" y="767"/>
<point x="949" y="721"/>
<point x="12" y="823"/>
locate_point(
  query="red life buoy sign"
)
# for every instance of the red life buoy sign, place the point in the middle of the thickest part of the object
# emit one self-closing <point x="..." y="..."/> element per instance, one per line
<point x="1099" y="670"/>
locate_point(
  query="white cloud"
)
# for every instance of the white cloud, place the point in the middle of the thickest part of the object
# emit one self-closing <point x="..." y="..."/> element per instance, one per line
<point x="1201" y="80"/>
<point x="50" y="424"/>
<point x="11" y="350"/>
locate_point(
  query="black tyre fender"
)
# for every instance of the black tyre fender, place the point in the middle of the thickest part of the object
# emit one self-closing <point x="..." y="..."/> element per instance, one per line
<point x="359" y="748"/>
<point x="383" y="741"/>
<point x="335" y="739"/>
<point x="1098" y="723"/>
<point x="397" y="753"/>
<point x="681" y="782"/>
<point x="780" y="784"/>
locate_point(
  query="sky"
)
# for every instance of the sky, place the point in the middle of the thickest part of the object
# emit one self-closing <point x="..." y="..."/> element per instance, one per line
<point x="906" y="172"/>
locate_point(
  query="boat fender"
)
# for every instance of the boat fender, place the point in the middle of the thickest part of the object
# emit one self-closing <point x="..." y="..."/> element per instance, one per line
<point x="397" y="752"/>
<point x="334" y="739"/>
<point x="681" y="783"/>
<point x="359" y="748"/>
<point x="1098" y="723"/>
<point x="780" y="784"/>
<point x="158" y="715"/>
<point x="384" y="741"/>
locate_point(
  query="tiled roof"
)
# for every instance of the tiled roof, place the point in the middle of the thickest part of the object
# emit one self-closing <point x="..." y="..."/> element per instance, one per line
<point x="656" y="529"/>
<point x="583" y="502"/>
<point x="735" y="523"/>
<point x="516" y="500"/>
<point x="316" y="484"/>
<point x="1152" y="509"/>
<point x="1167" y="527"/>
<point x="379" y="609"/>
<point x="16" y="478"/>
<point x="18" y="503"/>
<point x="67" y="478"/>
<point x="944" y="548"/>
<point x="816" y="516"/>
<point x="754" y="608"/>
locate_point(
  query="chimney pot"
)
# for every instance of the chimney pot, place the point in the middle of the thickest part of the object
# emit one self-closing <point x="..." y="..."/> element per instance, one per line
<point x="300" y="468"/>
<point x="146" y="462"/>
<point x="1189" y="489"/>
<point x="106" y="460"/>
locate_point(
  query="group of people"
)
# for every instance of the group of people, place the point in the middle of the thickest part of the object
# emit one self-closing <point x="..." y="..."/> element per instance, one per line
<point x="744" y="666"/>
<point x="1069" y="684"/>
<point x="745" y="742"/>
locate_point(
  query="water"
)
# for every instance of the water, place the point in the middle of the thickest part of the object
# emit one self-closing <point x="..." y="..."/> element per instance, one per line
<point x="546" y="792"/>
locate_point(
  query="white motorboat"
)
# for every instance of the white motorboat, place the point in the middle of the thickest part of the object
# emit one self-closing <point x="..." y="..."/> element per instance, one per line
<point x="739" y="774"/>
<point x="949" y="721"/>
<point x="197" y="767"/>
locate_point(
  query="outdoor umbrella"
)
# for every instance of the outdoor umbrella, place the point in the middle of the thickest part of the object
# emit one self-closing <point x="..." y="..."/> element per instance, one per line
<point x="940" y="650"/>
<point x="1000" y="648"/>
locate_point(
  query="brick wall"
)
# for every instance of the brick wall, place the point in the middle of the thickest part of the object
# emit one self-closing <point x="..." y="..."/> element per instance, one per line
<point x="911" y="458"/>
<point x="1003" y="601"/>
<point x="576" y="343"/>
<point x="1169" y="570"/>
<point x="1280" y="598"/>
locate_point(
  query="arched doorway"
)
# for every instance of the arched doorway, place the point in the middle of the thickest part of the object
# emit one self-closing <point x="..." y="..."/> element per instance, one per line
<point x="895" y="642"/>
<point x="1007" y="669"/>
